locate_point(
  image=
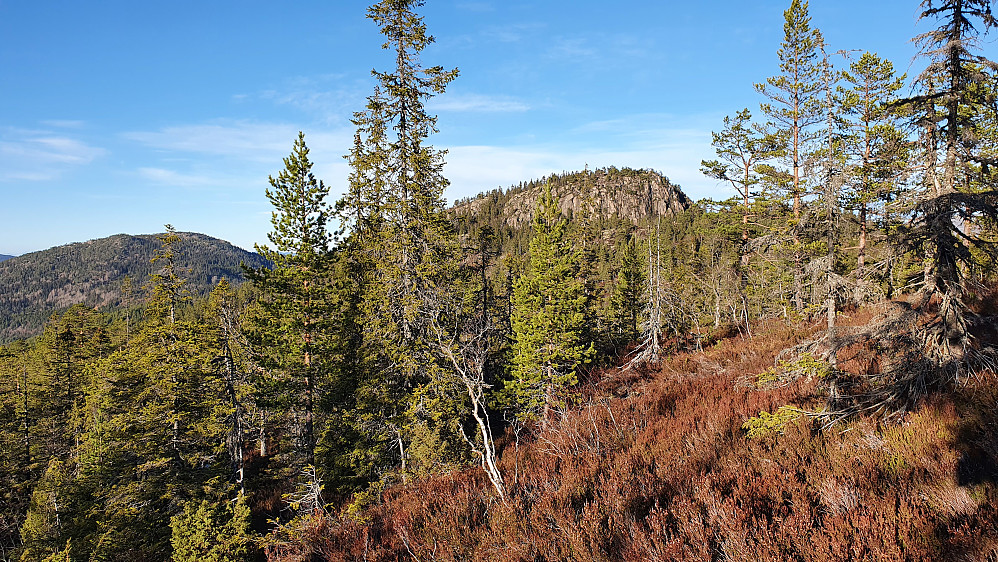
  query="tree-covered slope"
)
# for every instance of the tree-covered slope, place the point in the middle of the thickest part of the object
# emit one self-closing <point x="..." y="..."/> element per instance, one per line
<point x="35" y="285"/>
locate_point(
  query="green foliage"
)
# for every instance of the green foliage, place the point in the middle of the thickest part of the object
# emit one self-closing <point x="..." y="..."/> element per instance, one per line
<point x="42" y="528"/>
<point x="212" y="532"/>
<point x="295" y="326"/>
<point x="806" y="365"/>
<point x="740" y="148"/>
<point x="115" y="433"/>
<point x="35" y="286"/>
<point x="795" y="106"/>
<point x="64" y="555"/>
<point x="628" y="293"/>
<point x="766" y="424"/>
<point x="374" y="356"/>
<point x="362" y="501"/>
<point x="405" y="255"/>
<point x="547" y="319"/>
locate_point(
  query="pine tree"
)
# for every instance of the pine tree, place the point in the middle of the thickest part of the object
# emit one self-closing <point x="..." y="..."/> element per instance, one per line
<point x="295" y="332"/>
<point x="875" y="143"/>
<point x="794" y="108"/>
<point x="741" y="147"/>
<point x="547" y="319"/>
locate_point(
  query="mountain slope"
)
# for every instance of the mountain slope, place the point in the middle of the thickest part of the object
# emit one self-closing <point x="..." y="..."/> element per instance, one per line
<point x="35" y="285"/>
<point x="4" y="257"/>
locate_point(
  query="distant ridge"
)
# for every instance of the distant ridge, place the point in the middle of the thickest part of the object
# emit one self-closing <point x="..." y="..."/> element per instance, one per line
<point x="35" y="285"/>
<point x="4" y="257"/>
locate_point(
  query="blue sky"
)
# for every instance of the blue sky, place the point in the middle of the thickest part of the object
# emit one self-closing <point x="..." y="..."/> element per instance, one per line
<point x="121" y="116"/>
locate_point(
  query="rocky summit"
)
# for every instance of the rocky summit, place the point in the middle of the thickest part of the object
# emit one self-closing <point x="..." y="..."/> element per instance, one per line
<point x="602" y="193"/>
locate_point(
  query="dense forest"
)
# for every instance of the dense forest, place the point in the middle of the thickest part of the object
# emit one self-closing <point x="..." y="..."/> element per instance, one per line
<point x="94" y="273"/>
<point x="803" y="371"/>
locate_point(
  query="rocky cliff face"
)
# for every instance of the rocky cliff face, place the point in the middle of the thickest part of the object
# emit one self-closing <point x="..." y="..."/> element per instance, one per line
<point x="625" y="193"/>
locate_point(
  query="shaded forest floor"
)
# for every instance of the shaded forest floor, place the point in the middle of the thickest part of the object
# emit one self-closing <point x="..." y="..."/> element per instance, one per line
<point x="656" y="465"/>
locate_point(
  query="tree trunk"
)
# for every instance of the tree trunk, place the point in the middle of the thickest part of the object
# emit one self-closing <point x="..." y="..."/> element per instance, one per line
<point x="861" y="258"/>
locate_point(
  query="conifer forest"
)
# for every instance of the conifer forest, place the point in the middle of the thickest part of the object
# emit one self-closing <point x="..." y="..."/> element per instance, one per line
<point x="578" y="367"/>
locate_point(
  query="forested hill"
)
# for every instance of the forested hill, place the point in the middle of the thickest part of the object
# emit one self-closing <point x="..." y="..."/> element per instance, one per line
<point x="603" y="193"/>
<point x="35" y="285"/>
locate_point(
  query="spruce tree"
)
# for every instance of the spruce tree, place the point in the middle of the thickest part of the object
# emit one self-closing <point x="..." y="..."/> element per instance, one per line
<point x="949" y="109"/>
<point x="207" y="532"/>
<point x="547" y="319"/>
<point x="152" y="438"/>
<point x="627" y="292"/>
<point x="229" y="376"/>
<point x="396" y="204"/>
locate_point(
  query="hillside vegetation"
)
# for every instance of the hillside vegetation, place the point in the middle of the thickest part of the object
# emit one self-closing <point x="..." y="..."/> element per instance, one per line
<point x="35" y="285"/>
<point x="587" y="367"/>
<point x="684" y="461"/>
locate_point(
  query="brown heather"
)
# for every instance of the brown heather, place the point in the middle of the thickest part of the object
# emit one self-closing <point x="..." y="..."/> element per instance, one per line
<point x="656" y="466"/>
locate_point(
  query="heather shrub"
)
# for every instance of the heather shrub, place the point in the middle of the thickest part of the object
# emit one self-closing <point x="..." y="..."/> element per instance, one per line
<point x="659" y="465"/>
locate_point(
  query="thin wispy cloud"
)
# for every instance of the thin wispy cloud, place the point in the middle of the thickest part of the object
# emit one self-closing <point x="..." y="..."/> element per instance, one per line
<point x="477" y="103"/>
<point x="64" y="123"/>
<point x="513" y="33"/>
<point x="236" y="157"/>
<point x="577" y="49"/>
<point x="264" y="143"/>
<point x="649" y="127"/>
<point x="603" y="49"/>
<point x="329" y="98"/>
<point x="173" y="178"/>
<point x="631" y="46"/>
<point x="41" y="155"/>
<point x="475" y="6"/>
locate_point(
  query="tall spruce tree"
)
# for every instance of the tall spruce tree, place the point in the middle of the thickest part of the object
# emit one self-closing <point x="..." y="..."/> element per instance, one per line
<point x="628" y="290"/>
<point x="548" y="317"/>
<point x="151" y="438"/>
<point x="396" y="195"/>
